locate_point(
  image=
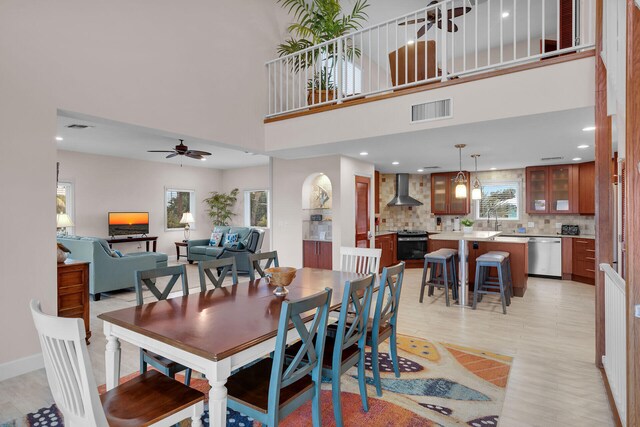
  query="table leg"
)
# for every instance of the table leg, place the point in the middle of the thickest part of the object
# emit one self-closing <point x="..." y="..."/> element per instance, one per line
<point x="112" y="361"/>
<point x="155" y="246"/>
<point x="177" y="252"/>
<point x="463" y="250"/>
<point x="147" y="245"/>
<point x="218" y="394"/>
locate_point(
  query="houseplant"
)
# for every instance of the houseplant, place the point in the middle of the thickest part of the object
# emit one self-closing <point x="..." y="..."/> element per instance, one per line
<point x="467" y="225"/>
<point x="319" y="21"/>
<point x="220" y="206"/>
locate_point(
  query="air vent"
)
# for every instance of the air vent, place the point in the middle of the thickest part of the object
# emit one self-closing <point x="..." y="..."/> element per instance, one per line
<point x="433" y="110"/>
<point x="78" y="126"/>
<point x="430" y="167"/>
<point x="550" y="159"/>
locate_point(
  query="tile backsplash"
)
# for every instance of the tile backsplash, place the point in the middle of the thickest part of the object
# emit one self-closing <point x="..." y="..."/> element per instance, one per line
<point x="419" y="217"/>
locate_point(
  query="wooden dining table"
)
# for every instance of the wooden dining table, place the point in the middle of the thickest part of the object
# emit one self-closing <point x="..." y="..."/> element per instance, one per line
<point x="216" y="331"/>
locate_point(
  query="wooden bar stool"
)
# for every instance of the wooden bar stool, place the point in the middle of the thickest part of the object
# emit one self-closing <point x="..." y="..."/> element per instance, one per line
<point x="484" y="284"/>
<point x="445" y="259"/>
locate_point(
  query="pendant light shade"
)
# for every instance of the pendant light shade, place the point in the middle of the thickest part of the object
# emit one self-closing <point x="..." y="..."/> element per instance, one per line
<point x="461" y="178"/>
<point x="476" y="193"/>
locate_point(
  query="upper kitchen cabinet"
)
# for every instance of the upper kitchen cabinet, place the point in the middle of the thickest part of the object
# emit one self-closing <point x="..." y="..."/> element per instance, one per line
<point x="443" y="195"/>
<point x="537" y="190"/>
<point x="563" y="189"/>
<point x="587" y="179"/>
<point x="376" y="196"/>
<point x="560" y="189"/>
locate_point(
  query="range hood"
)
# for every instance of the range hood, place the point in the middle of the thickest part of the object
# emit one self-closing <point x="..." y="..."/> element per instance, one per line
<point x="402" y="197"/>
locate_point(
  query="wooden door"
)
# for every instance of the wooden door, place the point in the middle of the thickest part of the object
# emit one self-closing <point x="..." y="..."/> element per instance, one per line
<point x="537" y="190"/>
<point x="310" y="253"/>
<point x="376" y="197"/>
<point x="586" y="185"/>
<point x="325" y="255"/>
<point x="363" y="185"/>
<point x="439" y="189"/>
<point x="563" y="189"/>
<point x="458" y="206"/>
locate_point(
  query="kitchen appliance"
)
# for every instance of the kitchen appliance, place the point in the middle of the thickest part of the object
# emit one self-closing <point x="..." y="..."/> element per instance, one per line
<point x="402" y="197"/>
<point x="412" y="244"/>
<point x="316" y="217"/>
<point x="570" y="230"/>
<point x="545" y="256"/>
<point x="438" y="224"/>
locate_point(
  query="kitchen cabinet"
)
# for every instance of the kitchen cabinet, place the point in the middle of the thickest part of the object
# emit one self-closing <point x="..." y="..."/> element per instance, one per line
<point x="377" y="192"/>
<point x="388" y="244"/>
<point x="73" y="292"/>
<point x="317" y="254"/>
<point x="553" y="189"/>
<point x="537" y="189"/>
<point x="443" y="195"/>
<point x="586" y="188"/>
<point x="583" y="260"/>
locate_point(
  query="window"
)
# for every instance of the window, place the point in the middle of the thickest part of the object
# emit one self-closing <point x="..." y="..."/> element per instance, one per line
<point x="501" y="198"/>
<point x="177" y="202"/>
<point x="256" y="208"/>
<point x="64" y="199"/>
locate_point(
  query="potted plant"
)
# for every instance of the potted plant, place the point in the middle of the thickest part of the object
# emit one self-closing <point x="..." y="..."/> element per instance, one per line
<point x="467" y="225"/>
<point x="319" y="21"/>
<point x="221" y="205"/>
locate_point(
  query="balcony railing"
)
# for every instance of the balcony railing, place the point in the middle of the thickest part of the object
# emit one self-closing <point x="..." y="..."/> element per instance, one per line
<point x="447" y="40"/>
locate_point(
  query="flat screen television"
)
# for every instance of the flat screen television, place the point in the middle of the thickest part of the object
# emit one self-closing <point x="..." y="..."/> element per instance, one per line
<point x="128" y="223"/>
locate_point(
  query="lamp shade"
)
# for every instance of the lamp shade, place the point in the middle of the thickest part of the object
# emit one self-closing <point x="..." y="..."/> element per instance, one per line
<point x="461" y="191"/>
<point x="63" y="220"/>
<point x="187" y="218"/>
<point x="476" y="194"/>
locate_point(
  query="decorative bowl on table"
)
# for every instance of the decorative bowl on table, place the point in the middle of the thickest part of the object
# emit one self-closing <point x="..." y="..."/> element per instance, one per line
<point x="280" y="277"/>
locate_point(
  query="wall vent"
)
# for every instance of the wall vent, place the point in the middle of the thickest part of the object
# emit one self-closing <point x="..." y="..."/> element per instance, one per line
<point x="78" y="126"/>
<point x="430" y="167"/>
<point x="434" y="110"/>
<point x="549" y="159"/>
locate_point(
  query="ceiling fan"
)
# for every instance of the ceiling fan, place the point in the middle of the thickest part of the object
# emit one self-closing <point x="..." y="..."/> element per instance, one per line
<point x="183" y="150"/>
<point x="435" y="16"/>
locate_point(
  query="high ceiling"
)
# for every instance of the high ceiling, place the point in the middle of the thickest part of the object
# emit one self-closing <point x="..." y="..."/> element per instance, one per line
<point x="120" y="140"/>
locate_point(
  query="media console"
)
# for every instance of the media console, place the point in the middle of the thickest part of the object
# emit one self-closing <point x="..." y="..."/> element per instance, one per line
<point x="145" y="239"/>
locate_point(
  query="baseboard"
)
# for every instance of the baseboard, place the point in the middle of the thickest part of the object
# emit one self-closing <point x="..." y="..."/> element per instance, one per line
<point x="612" y="403"/>
<point x="21" y="366"/>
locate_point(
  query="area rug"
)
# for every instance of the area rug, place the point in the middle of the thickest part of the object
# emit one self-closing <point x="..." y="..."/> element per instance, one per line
<point x="441" y="384"/>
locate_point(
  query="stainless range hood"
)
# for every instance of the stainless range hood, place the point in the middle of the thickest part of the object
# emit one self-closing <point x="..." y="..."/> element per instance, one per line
<point x="402" y="197"/>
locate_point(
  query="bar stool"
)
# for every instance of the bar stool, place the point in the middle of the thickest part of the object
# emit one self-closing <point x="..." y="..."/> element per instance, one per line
<point x="445" y="258"/>
<point x="507" y="263"/>
<point x="483" y="284"/>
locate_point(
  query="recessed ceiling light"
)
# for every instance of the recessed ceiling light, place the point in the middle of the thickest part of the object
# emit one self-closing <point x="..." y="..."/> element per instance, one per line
<point x="395" y="163"/>
<point x="493" y="169"/>
<point x="589" y="128"/>
<point x="583" y="146"/>
<point x="577" y="159"/>
<point x="204" y="159"/>
<point x="364" y="153"/>
<point x="505" y="14"/>
<point x="59" y="138"/>
<point x="410" y="42"/>
<point x="420" y="170"/>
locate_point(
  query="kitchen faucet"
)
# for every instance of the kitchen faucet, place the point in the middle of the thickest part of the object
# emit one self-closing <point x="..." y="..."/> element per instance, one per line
<point x="494" y="208"/>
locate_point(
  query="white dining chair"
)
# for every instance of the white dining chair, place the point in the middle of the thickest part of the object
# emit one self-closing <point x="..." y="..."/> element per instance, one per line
<point x="149" y="399"/>
<point x="360" y="260"/>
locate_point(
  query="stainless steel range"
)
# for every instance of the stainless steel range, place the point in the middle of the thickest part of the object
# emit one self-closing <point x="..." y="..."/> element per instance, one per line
<point x="412" y="244"/>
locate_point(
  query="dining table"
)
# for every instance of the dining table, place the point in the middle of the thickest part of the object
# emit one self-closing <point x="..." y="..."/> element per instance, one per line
<point x="216" y="331"/>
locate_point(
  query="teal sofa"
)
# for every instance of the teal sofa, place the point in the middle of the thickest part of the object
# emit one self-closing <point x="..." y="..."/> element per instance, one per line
<point x="249" y="242"/>
<point x="108" y="273"/>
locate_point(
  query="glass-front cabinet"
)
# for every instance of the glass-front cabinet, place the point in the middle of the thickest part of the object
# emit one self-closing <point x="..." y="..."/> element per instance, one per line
<point x="439" y="193"/>
<point x="537" y="190"/>
<point x="552" y="189"/>
<point x="443" y="195"/>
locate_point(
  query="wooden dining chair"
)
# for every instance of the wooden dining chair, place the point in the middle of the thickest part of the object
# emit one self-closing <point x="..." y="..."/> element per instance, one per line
<point x="254" y="262"/>
<point x="222" y="267"/>
<point x="268" y="391"/>
<point x="360" y="260"/>
<point x="149" y="399"/>
<point x="149" y="279"/>
<point x="385" y="319"/>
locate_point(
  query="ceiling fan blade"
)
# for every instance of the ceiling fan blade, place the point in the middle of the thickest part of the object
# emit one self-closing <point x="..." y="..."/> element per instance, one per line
<point x="198" y="153"/>
<point x="433" y="2"/>
<point x="412" y="21"/>
<point x="422" y="30"/>
<point x="160" y="151"/>
<point x="458" y="11"/>
<point x="172" y="155"/>
<point x="194" y="156"/>
<point x="451" y="27"/>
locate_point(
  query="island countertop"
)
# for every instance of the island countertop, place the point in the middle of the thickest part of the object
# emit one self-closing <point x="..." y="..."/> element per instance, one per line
<point x="476" y="236"/>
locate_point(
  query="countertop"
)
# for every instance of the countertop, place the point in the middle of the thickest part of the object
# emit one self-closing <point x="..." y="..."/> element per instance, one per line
<point x="459" y="235"/>
<point x="385" y="233"/>
<point x="581" y="236"/>
<point x="317" y="240"/>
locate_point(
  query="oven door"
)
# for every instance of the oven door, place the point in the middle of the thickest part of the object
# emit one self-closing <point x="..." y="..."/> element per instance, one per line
<point x="412" y="248"/>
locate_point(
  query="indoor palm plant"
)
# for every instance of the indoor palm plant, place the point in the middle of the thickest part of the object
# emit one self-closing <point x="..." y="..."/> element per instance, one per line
<point x="221" y="205"/>
<point x="319" y="21"/>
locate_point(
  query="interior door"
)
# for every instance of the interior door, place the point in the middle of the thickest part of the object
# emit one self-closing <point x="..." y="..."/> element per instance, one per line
<point x="363" y="185"/>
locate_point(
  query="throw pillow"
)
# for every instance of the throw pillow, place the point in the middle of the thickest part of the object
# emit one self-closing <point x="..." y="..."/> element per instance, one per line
<point x="116" y="254"/>
<point x="231" y="238"/>
<point x="215" y="239"/>
<point x="120" y="255"/>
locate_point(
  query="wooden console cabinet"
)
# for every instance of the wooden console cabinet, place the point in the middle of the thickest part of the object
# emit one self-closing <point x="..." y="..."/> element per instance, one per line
<point x="388" y="243"/>
<point x="73" y="292"/>
<point x="317" y="254"/>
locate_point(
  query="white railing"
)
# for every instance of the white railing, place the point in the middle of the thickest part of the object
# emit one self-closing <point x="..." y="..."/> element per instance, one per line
<point x="397" y="54"/>
<point x="615" y="321"/>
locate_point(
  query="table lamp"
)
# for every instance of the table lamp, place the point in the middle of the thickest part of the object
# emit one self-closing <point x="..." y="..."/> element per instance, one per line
<point x="63" y="221"/>
<point x="186" y="219"/>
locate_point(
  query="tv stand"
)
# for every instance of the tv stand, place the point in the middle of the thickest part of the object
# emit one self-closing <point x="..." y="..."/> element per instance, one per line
<point x="145" y="239"/>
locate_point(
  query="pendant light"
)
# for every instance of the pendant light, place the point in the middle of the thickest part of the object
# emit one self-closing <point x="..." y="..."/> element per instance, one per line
<point x="461" y="178"/>
<point x="476" y="193"/>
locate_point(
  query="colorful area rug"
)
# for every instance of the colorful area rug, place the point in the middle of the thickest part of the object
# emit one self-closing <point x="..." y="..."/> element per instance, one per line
<point x="441" y="384"/>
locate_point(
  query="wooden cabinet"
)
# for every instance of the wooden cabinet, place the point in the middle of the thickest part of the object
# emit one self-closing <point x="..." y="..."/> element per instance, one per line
<point x="443" y="195"/>
<point x="388" y="243"/>
<point x="73" y="292"/>
<point x="563" y="189"/>
<point x="584" y="260"/>
<point x="557" y="189"/>
<point x="317" y="254"/>
<point x="586" y="188"/>
<point x="537" y="189"/>
<point x="376" y="197"/>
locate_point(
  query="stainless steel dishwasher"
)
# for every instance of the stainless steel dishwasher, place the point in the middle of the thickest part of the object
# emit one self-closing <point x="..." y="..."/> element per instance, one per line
<point x="545" y="256"/>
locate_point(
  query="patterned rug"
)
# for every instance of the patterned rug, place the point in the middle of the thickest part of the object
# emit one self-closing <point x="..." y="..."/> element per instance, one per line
<point x="441" y="384"/>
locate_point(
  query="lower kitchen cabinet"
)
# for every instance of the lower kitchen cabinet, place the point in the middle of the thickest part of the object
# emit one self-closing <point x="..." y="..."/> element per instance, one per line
<point x="388" y="244"/>
<point x="583" y="260"/>
<point x="317" y="254"/>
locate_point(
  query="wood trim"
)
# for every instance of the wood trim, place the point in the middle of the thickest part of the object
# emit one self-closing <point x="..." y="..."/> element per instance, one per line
<point x="632" y="180"/>
<point x="612" y="402"/>
<point x="430" y="86"/>
<point x="604" y="224"/>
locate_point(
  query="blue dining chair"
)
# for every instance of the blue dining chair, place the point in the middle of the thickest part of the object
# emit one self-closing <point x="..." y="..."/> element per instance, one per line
<point x="222" y="267"/>
<point x="268" y="391"/>
<point x="385" y="319"/>
<point x="148" y="279"/>
<point x="254" y="263"/>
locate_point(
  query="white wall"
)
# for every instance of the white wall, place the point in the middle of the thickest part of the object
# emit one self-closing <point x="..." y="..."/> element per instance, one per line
<point x="194" y="69"/>
<point x="244" y="179"/>
<point x="104" y="183"/>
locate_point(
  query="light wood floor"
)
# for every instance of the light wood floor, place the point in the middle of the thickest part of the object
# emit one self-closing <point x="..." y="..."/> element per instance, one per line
<point x="549" y="332"/>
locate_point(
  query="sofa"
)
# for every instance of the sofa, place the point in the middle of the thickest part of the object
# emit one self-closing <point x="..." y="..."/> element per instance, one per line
<point x="106" y="272"/>
<point x="249" y="242"/>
